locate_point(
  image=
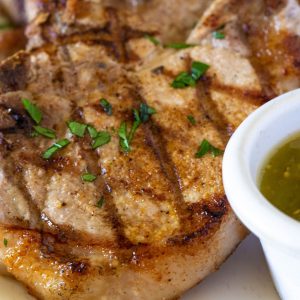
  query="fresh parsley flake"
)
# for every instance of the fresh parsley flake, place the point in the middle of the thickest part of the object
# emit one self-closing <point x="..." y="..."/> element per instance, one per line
<point x="5" y="242"/>
<point x="77" y="128"/>
<point x="88" y="177"/>
<point x="152" y="39"/>
<point x="145" y="112"/>
<point x="137" y="122"/>
<point x="100" y="203"/>
<point x="179" y="45"/>
<point x="124" y="142"/>
<point x="32" y="110"/>
<point x="191" y="120"/>
<point x="140" y="116"/>
<point x="219" y="35"/>
<point x="92" y="131"/>
<point x="206" y="147"/>
<point x="185" y="79"/>
<point x="106" y="106"/>
<point x="55" y="147"/>
<point x="102" y="138"/>
<point x="46" y="132"/>
<point x="198" y="69"/>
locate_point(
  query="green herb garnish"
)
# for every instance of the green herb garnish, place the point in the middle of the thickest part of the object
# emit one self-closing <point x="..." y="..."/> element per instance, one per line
<point x="88" y="177"/>
<point x="106" y="106"/>
<point x="206" y="147"/>
<point x="32" y="110"/>
<point x="152" y="39"/>
<point x="145" y="112"/>
<point x="46" y="132"/>
<point x="77" y="128"/>
<point x="100" y="203"/>
<point x="191" y="120"/>
<point x="140" y="117"/>
<point x="218" y="35"/>
<point x="124" y="142"/>
<point x="198" y="69"/>
<point x="102" y="138"/>
<point x="55" y="147"/>
<point x="137" y="122"/>
<point x="92" y="131"/>
<point x="185" y="79"/>
<point x="180" y="45"/>
<point x="5" y="242"/>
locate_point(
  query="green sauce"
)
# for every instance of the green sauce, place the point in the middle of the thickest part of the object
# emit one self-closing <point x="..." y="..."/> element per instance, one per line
<point x="280" y="178"/>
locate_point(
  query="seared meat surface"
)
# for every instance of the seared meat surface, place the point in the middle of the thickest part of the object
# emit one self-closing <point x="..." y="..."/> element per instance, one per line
<point x="264" y="32"/>
<point x="155" y="220"/>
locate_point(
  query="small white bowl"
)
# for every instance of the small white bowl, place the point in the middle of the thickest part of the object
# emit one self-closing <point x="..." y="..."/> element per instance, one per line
<point x="244" y="156"/>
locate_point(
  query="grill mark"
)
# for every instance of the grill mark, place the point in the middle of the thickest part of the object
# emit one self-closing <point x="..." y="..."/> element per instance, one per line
<point x="265" y="79"/>
<point x="113" y="35"/>
<point x="117" y="35"/>
<point x="213" y="211"/>
<point x="18" y="180"/>
<point x="157" y="144"/>
<point x="250" y="96"/>
<point x="113" y="221"/>
<point x="210" y="109"/>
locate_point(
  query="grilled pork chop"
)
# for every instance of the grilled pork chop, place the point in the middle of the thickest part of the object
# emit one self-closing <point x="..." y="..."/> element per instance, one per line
<point x="155" y="221"/>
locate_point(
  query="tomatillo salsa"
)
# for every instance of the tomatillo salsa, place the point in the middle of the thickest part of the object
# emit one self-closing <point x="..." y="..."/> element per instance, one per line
<point x="280" y="177"/>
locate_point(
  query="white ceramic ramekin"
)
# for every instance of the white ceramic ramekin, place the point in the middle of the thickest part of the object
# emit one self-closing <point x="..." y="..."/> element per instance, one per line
<point x="244" y="156"/>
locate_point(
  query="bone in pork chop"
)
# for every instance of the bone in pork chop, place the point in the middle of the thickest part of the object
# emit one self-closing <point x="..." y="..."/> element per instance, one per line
<point x="154" y="221"/>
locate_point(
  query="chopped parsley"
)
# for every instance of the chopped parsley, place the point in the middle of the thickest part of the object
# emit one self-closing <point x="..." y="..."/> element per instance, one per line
<point x="140" y="116"/>
<point x="77" y="128"/>
<point x="106" y="106"/>
<point x="55" y="147"/>
<point x="46" y="132"/>
<point x="137" y="122"/>
<point x="32" y="110"/>
<point x="198" y="69"/>
<point x="206" y="147"/>
<point x="92" y="131"/>
<point x="185" y="79"/>
<point x="152" y="39"/>
<point x="100" y="203"/>
<point x="5" y="242"/>
<point x="179" y="45"/>
<point x="124" y="141"/>
<point x="88" y="177"/>
<point x="102" y="138"/>
<point x="191" y="120"/>
<point x="145" y="112"/>
<point x="219" y="35"/>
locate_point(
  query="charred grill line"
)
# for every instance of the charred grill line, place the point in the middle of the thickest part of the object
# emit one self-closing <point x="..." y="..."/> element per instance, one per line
<point x="210" y="110"/>
<point x="113" y="219"/>
<point x="155" y="141"/>
<point x="18" y="180"/>
<point x="213" y="215"/>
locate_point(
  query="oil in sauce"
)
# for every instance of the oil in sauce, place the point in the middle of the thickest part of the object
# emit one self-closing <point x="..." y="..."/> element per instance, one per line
<point x="280" y="178"/>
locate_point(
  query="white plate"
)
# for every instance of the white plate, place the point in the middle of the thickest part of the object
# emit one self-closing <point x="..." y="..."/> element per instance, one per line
<point x="243" y="276"/>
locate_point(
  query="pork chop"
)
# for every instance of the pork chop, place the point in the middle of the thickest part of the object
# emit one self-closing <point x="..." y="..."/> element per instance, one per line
<point x="151" y="222"/>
